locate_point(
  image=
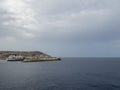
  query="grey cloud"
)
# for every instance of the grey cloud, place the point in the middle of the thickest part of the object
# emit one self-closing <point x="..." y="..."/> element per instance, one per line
<point x="75" y="25"/>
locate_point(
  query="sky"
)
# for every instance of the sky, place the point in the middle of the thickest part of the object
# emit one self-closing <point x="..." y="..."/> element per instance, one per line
<point x="66" y="28"/>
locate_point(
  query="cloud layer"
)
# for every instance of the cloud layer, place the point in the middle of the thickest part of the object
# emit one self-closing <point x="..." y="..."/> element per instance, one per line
<point x="61" y="27"/>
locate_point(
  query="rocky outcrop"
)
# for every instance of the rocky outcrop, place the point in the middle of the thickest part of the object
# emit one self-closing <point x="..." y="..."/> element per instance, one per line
<point x="29" y="56"/>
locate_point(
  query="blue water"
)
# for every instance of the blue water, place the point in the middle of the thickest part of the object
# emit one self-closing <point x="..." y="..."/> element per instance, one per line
<point x="68" y="74"/>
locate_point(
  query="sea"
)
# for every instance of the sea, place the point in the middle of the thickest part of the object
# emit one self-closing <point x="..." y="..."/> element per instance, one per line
<point x="67" y="74"/>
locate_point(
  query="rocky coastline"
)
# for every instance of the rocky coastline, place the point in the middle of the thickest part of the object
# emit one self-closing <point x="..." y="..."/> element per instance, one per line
<point x="27" y="56"/>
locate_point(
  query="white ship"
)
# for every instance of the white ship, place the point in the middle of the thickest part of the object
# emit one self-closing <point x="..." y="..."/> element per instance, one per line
<point x="15" y="58"/>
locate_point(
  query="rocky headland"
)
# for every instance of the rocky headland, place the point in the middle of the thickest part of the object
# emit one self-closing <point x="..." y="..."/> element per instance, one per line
<point x="27" y="56"/>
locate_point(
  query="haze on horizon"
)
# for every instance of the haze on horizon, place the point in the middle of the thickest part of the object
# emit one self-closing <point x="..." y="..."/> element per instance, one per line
<point x="75" y="28"/>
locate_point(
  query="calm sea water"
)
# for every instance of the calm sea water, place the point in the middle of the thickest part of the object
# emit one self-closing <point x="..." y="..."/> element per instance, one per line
<point x="68" y="74"/>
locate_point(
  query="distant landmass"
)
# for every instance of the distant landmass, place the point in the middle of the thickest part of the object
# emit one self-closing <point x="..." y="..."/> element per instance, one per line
<point x="26" y="56"/>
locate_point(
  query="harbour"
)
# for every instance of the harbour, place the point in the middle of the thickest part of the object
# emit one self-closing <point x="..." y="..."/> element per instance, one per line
<point x="26" y="56"/>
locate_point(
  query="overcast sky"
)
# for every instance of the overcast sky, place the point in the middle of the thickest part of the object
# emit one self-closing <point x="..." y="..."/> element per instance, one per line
<point x="75" y="28"/>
